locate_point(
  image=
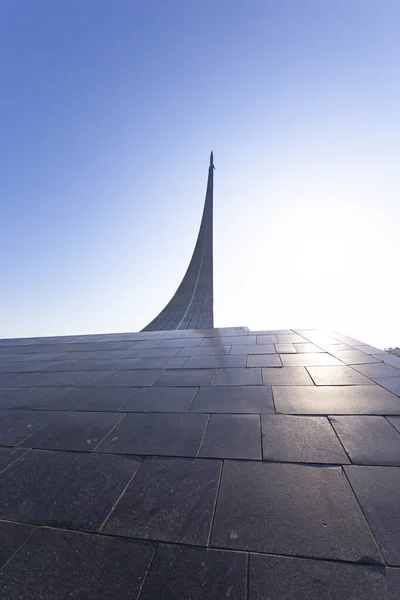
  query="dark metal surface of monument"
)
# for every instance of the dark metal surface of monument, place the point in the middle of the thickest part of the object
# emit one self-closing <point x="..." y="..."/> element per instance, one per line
<point x="192" y="305"/>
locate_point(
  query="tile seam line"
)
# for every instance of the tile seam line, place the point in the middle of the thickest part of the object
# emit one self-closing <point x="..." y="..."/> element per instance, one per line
<point x="18" y="549"/>
<point x="155" y="550"/>
<point x="107" y="434"/>
<point x="215" y="503"/>
<point x="337" y="435"/>
<point x="204" y="435"/>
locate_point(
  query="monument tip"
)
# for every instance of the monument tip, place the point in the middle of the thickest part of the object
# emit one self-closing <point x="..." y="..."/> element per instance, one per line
<point x="211" y="159"/>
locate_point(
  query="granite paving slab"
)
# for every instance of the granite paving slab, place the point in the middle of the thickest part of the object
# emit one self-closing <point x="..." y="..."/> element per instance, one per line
<point x="291" y="509"/>
<point x="159" y="399"/>
<point x="389" y="383"/>
<point x="195" y="573"/>
<point x="244" y="399"/>
<point x="254" y="349"/>
<point x="335" y="400"/>
<point x="30" y="398"/>
<point x="368" y="440"/>
<point x="163" y="362"/>
<point x="378" y="491"/>
<point x="285" y="348"/>
<point x="114" y="364"/>
<point x="72" y="430"/>
<point x="290" y="338"/>
<point x="204" y="351"/>
<point x="180" y="343"/>
<point x="170" y="500"/>
<point x="368" y="349"/>
<point x="93" y="399"/>
<point x="60" y="564"/>
<point x="233" y="436"/>
<point x="286" y="376"/>
<point x="17" y="425"/>
<point x="379" y="369"/>
<point x="354" y="357"/>
<point x="18" y="380"/>
<point x="289" y="438"/>
<point x="162" y="434"/>
<point x="187" y="377"/>
<point x="75" y="379"/>
<point x="244" y="376"/>
<point x="264" y="360"/>
<point x="310" y="359"/>
<point x="307" y="347"/>
<point x="343" y="375"/>
<point x="389" y="359"/>
<point x="135" y="378"/>
<point x="70" y="490"/>
<point x="395" y="421"/>
<point x="156" y="352"/>
<point x="243" y="340"/>
<point x="27" y="367"/>
<point x="283" y="578"/>
<point x="267" y="339"/>
<point x="208" y="362"/>
<point x="12" y="536"/>
<point x="9" y="455"/>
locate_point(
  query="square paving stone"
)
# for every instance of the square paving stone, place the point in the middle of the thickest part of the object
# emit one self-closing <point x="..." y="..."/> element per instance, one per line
<point x="290" y="338"/>
<point x="288" y="438"/>
<point x="75" y="378"/>
<point x="285" y="349"/>
<point x="335" y="400"/>
<point x="12" y="536"/>
<point x="17" y="425"/>
<point x="254" y="349"/>
<point x="309" y="360"/>
<point x="29" y="398"/>
<point x="206" y="362"/>
<point x="93" y="399"/>
<point x="354" y="357"/>
<point x="162" y="434"/>
<point x="264" y="360"/>
<point x="158" y="399"/>
<point x="205" y="351"/>
<point x="196" y="573"/>
<point x="378" y="491"/>
<point x="10" y="455"/>
<point x="379" y="369"/>
<point x="64" y="564"/>
<point x="267" y="339"/>
<point x="389" y="383"/>
<point x="368" y="440"/>
<point x="69" y="490"/>
<point x="244" y="376"/>
<point x="72" y="430"/>
<point x="137" y="378"/>
<point x="343" y="375"/>
<point x="290" y="509"/>
<point x="243" y="340"/>
<point x="170" y="500"/>
<point x="187" y="377"/>
<point x="286" y="376"/>
<point x="233" y="436"/>
<point x="307" y="348"/>
<point x="283" y="578"/>
<point x="244" y="399"/>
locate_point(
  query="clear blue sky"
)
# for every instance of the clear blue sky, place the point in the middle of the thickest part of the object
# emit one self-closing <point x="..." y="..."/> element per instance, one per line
<point x="109" y="110"/>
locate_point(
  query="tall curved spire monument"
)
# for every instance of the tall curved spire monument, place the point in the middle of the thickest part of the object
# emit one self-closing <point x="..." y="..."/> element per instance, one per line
<point x="191" y="307"/>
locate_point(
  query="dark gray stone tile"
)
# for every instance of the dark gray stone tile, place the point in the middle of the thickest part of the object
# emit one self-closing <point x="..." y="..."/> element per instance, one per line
<point x="12" y="536"/>
<point x="244" y="376"/>
<point x="25" y="367"/>
<point x="164" y="362"/>
<point x="389" y="383"/>
<point x="354" y="357"/>
<point x="195" y="573"/>
<point x="187" y="377"/>
<point x="144" y="344"/>
<point x="180" y="343"/>
<point x="389" y="359"/>
<point x="285" y="348"/>
<point x="95" y="398"/>
<point x="233" y="436"/>
<point x="9" y="380"/>
<point x="137" y="378"/>
<point x="267" y="339"/>
<point x="271" y="332"/>
<point x="10" y="455"/>
<point x="70" y="490"/>
<point x="205" y="351"/>
<point x="242" y="340"/>
<point x="75" y="379"/>
<point x="158" y="399"/>
<point x="157" y="352"/>
<point x="335" y="400"/>
<point x="338" y="347"/>
<point x="115" y="364"/>
<point x="367" y="349"/>
<point x="25" y="357"/>
<point x="290" y="509"/>
<point x="170" y="500"/>
<point x="64" y="564"/>
<point x="264" y="360"/>
<point x="343" y="375"/>
<point x="162" y="434"/>
<point x="254" y="349"/>
<point x="30" y="398"/>
<point x="368" y="440"/>
<point x="18" y="425"/>
<point x="307" y="347"/>
<point x="289" y="438"/>
<point x="379" y="369"/>
<point x="283" y="578"/>
<point x="72" y="430"/>
<point x="378" y="491"/>
<point x="309" y="360"/>
<point x="286" y="376"/>
<point x="395" y="421"/>
<point x="244" y="399"/>
<point x="208" y="362"/>
<point x="290" y="338"/>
